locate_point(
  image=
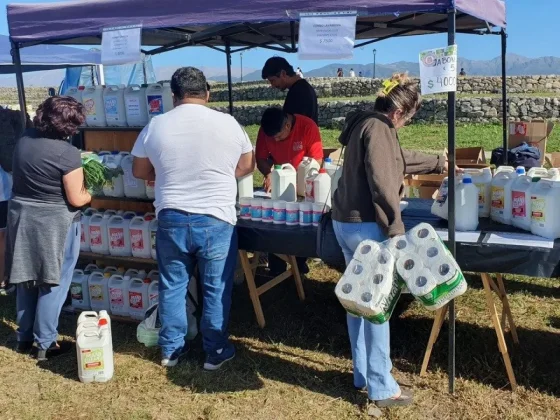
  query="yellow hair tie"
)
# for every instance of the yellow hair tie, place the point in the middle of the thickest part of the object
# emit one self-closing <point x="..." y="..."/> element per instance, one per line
<point x="388" y="86"/>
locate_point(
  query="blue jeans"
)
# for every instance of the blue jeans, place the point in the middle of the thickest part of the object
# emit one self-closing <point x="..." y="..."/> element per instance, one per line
<point x="38" y="307"/>
<point x="370" y="342"/>
<point x="184" y="240"/>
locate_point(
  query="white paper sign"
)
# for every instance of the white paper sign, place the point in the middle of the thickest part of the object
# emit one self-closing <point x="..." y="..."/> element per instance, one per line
<point x="121" y="45"/>
<point x="328" y="35"/>
<point x="461" y="237"/>
<point x="438" y="70"/>
<point x="520" y="239"/>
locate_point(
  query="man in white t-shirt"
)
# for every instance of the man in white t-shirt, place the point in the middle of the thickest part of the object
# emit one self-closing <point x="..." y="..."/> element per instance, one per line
<point x="194" y="155"/>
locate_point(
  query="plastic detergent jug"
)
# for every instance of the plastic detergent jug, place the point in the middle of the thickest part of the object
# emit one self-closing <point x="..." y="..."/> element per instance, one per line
<point x="115" y="186"/>
<point x="115" y="111"/>
<point x="284" y="178"/>
<point x="98" y="239"/>
<point x="119" y="236"/>
<point x="521" y="196"/>
<point x="500" y="208"/>
<point x="159" y="99"/>
<point x="90" y="268"/>
<point x="133" y="187"/>
<point x="311" y="175"/>
<point x="95" y="317"/>
<point x="466" y="205"/>
<point x="245" y="186"/>
<point x="92" y="99"/>
<point x="545" y="202"/>
<point x="150" y="189"/>
<point x="306" y="165"/>
<point x="322" y="188"/>
<point x="94" y="351"/>
<point x="135" y="106"/>
<point x="84" y="225"/>
<point x="75" y="92"/>
<point x="138" y="298"/>
<point x="140" y="237"/>
<point x="118" y="294"/>
<point x="482" y="178"/>
<point x="440" y="206"/>
<point x="79" y="290"/>
<point x="153" y="232"/>
<point x="99" y="291"/>
<point x="153" y="293"/>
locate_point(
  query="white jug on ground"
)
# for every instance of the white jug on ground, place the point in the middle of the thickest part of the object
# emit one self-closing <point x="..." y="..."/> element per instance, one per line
<point x="119" y="236"/>
<point x="521" y="196"/>
<point x="482" y="178"/>
<point x="306" y="165"/>
<point x="545" y="202"/>
<point x="283" y="181"/>
<point x="115" y="110"/>
<point x="84" y="225"/>
<point x="135" y="106"/>
<point x="133" y="187"/>
<point x="500" y="207"/>
<point x="94" y="351"/>
<point x="79" y="290"/>
<point x="92" y="99"/>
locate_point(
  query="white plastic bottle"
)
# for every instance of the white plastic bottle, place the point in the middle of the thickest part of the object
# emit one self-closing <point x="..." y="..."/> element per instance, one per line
<point x="322" y="188"/>
<point x="466" y="205"/>
<point x="158" y="99"/>
<point x="94" y="351"/>
<point x="119" y="236"/>
<point x="135" y="106"/>
<point x="521" y="196"/>
<point x="115" y="110"/>
<point x="98" y="238"/>
<point x="545" y="202"/>
<point x="75" y="92"/>
<point x="482" y="178"/>
<point x="283" y="180"/>
<point x="153" y="232"/>
<point x="92" y="99"/>
<point x="153" y="293"/>
<point x="118" y="294"/>
<point x="84" y="224"/>
<point x="309" y="183"/>
<point x="79" y="290"/>
<point x="150" y="189"/>
<point x="133" y="187"/>
<point x="114" y="187"/>
<point x="245" y="186"/>
<point x="140" y="237"/>
<point x="306" y="165"/>
<point x="138" y="298"/>
<point x="501" y="208"/>
<point x="99" y="291"/>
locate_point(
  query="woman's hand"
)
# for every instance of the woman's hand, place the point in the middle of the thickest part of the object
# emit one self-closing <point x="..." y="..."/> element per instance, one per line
<point x="446" y="167"/>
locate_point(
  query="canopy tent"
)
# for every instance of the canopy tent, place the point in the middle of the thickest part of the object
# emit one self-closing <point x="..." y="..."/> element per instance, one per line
<point x="271" y="24"/>
<point x="45" y="57"/>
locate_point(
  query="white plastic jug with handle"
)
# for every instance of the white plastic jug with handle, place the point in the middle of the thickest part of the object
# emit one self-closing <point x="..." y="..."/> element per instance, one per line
<point x="133" y="187"/>
<point x="466" y="205"/>
<point x="521" y="196"/>
<point x="92" y="316"/>
<point x="309" y="193"/>
<point x="322" y="188"/>
<point x="75" y="92"/>
<point x="545" y="202"/>
<point x="500" y="208"/>
<point x="79" y="290"/>
<point x="150" y="189"/>
<point x="140" y="237"/>
<point x="92" y="99"/>
<point x="153" y="293"/>
<point x="84" y="225"/>
<point x="245" y="186"/>
<point x="119" y="237"/>
<point x="115" y="110"/>
<point x="283" y="180"/>
<point x="99" y="291"/>
<point x="159" y="99"/>
<point x="115" y="186"/>
<point x="94" y="351"/>
<point x="482" y="178"/>
<point x="135" y="106"/>
<point x="118" y="294"/>
<point x="306" y="165"/>
<point x="98" y="239"/>
<point x="138" y="298"/>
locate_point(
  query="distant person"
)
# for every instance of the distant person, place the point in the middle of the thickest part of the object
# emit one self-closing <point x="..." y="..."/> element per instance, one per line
<point x="352" y="73"/>
<point x="301" y="98"/>
<point x="360" y="74"/>
<point x="299" y="72"/>
<point x="339" y="72"/>
<point x="462" y="72"/>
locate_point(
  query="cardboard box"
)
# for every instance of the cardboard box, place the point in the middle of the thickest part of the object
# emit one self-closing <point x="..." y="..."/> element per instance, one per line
<point x="470" y="156"/>
<point x="535" y="133"/>
<point x="422" y="186"/>
<point x="552" y="160"/>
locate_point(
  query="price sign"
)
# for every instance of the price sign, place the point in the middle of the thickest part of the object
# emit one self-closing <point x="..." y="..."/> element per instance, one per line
<point x="121" y="45"/>
<point x="328" y="35"/>
<point x="438" y="70"/>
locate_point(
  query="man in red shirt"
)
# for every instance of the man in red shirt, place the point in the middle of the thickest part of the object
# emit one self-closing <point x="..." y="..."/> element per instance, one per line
<point x="286" y="138"/>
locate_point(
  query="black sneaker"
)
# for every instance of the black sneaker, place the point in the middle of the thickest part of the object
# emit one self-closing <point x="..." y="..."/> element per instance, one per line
<point x="55" y="349"/>
<point x="171" y="361"/>
<point x="24" y="347"/>
<point x="216" y="360"/>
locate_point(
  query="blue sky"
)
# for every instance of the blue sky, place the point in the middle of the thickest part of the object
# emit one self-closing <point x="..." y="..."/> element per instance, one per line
<point x="531" y="31"/>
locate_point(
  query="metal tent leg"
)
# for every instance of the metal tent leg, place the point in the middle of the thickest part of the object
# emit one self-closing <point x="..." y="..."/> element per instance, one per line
<point x="230" y="92"/>
<point x="504" y="96"/>
<point x="16" y="58"/>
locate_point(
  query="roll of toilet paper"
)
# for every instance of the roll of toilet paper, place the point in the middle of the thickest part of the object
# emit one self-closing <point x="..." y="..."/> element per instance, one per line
<point x="433" y="250"/>
<point x="348" y="287"/>
<point x="422" y="283"/>
<point x="444" y="269"/>
<point x="378" y="299"/>
<point x="366" y="250"/>
<point x="408" y="266"/>
<point x="400" y="245"/>
<point x="421" y="233"/>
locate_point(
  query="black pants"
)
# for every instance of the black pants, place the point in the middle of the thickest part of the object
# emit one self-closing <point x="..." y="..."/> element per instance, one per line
<point x="277" y="265"/>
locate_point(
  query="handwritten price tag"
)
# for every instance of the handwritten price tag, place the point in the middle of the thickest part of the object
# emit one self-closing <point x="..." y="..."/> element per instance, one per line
<point x="438" y="70"/>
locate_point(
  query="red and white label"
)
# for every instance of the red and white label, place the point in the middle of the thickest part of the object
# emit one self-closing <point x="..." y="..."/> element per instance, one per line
<point x="309" y="191"/>
<point x="135" y="300"/>
<point x="116" y="237"/>
<point x="117" y="297"/>
<point x="136" y="240"/>
<point x="518" y="204"/>
<point x="95" y="237"/>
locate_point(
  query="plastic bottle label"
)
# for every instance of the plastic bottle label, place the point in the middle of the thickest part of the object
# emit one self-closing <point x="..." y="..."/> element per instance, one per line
<point x="292" y="216"/>
<point x="135" y="300"/>
<point x="155" y="103"/>
<point x="518" y="204"/>
<point x="76" y="291"/>
<point x="116" y="237"/>
<point x="92" y="359"/>
<point x="95" y="237"/>
<point x="279" y="215"/>
<point x="133" y="107"/>
<point x="89" y="106"/>
<point x="442" y="194"/>
<point x="117" y="297"/>
<point x="136" y="240"/>
<point x="256" y="212"/>
<point x="267" y="214"/>
<point x="305" y="217"/>
<point x="481" y="189"/>
<point x="498" y="198"/>
<point x="245" y="212"/>
<point x="96" y="292"/>
<point x="537" y="209"/>
<point x="317" y="217"/>
<point x="154" y="297"/>
<point x="111" y="111"/>
<point x="129" y="179"/>
<point x="309" y="191"/>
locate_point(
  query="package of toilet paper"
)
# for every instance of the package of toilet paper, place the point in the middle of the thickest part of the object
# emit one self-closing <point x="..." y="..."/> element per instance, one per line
<point x="369" y="287"/>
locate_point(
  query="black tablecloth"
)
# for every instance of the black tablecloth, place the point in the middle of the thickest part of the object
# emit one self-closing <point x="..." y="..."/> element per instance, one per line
<point x="478" y="257"/>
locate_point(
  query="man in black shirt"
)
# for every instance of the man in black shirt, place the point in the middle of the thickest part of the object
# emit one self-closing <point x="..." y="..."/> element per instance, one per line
<point x="301" y="98"/>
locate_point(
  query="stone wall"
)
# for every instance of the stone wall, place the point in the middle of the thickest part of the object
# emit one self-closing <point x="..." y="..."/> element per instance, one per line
<point x="356" y="87"/>
<point x="472" y="110"/>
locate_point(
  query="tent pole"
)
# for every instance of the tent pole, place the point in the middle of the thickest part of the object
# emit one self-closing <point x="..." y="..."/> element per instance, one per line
<point x="451" y="105"/>
<point x="16" y="58"/>
<point x="230" y="93"/>
<point x="504" y="96"/>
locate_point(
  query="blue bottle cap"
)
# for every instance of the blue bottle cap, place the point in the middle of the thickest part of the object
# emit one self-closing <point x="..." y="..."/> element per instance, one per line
<point x="467" y="179"/>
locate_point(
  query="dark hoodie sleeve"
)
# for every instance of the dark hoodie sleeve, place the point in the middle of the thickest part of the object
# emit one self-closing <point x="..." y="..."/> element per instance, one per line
<point x="422" y="163"/>
<point x="381" y="146"/>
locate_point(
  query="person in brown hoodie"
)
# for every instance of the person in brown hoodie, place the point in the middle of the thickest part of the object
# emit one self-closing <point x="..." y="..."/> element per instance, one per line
<point x="366" y="205"/>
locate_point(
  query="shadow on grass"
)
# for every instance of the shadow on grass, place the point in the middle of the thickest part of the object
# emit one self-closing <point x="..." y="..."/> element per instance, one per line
<point x="514" y="286"/>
